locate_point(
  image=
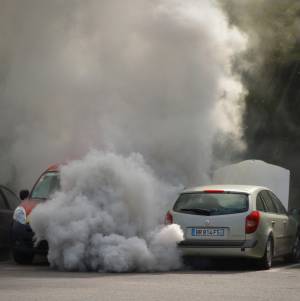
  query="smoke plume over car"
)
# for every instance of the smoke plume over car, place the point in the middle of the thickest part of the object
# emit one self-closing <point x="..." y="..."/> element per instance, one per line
<point x="107" y="217"/>
<point x="152" y="78"/>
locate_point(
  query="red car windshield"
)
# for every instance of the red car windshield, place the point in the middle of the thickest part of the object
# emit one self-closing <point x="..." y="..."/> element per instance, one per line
<point x="46" y="186"/>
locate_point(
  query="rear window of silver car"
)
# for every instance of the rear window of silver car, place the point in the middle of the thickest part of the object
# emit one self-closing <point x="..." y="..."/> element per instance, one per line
<point x="202" y="203"/>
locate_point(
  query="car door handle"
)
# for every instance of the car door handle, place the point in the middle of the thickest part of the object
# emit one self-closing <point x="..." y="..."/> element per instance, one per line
<point x="273" y="223"/>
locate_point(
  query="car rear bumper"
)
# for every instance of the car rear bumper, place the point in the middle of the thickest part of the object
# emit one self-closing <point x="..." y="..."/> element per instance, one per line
<point x="22" y="240"/>
<point x="221" y="248"/>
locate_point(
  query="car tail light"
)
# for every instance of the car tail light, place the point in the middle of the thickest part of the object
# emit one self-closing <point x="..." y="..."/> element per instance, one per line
<point x="252" y="221"/>
<point x="168" y="218"/>
<point x="214" y="191"/>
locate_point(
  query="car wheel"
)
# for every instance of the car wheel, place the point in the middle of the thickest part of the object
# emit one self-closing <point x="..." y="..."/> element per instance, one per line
<point x="265" y="262"/>
<point x="23" y="258"/>
<point x="295" y="255"/>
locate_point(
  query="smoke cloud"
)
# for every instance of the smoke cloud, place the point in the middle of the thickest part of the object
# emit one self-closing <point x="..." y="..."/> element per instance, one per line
<point x="153" y="78"/>
<point x="107" y="215"/>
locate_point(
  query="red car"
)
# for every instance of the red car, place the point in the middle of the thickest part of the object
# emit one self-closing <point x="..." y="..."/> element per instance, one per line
<point x="22" y="234"/>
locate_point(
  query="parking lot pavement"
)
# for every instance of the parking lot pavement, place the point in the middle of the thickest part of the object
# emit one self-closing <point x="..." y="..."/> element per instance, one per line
<point x="213" y="282"/>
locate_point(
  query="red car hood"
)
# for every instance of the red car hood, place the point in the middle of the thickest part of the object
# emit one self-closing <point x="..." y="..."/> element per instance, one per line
<point x="28" y="205"/>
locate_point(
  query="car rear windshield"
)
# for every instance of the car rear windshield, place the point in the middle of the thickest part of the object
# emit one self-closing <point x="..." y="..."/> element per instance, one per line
<point x="46" y="186"/>
<point x="202" y="203"/>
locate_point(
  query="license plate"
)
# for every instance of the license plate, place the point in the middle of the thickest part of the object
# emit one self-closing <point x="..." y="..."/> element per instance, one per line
<point x="207" y="232"/>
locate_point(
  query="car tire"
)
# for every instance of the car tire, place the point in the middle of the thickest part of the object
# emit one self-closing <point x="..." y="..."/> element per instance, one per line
<point x="265" y="263"/>
<point x="22" y="257"/>
<point x="295" y="255"/>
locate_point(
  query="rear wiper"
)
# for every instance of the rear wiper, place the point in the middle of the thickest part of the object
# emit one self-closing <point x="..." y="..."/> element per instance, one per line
<point x="197" y="210"/>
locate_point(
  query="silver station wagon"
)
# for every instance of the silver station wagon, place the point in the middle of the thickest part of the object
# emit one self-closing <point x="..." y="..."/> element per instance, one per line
<point x="235" y="221"/>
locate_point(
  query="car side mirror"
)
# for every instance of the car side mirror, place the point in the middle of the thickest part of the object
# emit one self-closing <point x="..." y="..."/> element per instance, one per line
<point x="24" y="194"/>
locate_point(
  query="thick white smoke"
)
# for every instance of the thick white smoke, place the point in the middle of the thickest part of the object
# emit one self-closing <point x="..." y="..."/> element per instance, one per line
<point x="130" y="76"/>
<point x="108" y="216"/>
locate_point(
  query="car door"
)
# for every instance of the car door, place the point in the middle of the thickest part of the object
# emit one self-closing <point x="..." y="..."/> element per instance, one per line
<point x="278" y="223"/>
<point x="5" y="221"/>
<point x="289" y="228"/>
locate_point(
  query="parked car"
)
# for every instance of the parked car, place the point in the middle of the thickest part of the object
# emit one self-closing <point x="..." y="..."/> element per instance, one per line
<point x="8" y="202"/>
<point x="235" y="221"/>
<point x="22" y="234"/>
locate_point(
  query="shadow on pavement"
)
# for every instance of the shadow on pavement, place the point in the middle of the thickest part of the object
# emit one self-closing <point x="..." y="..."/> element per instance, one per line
<point x="296" y="265"/>
<point x="230" y="266"/>
<point x="40" y="268"/>
<point x="223" y="265"/>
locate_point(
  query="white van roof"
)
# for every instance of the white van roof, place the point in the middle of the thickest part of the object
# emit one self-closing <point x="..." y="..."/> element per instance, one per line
<point x="257" y="173"/>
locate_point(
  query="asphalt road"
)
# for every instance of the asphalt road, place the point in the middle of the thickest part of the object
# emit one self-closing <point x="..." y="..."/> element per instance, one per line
<point x="217" y="281"/>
